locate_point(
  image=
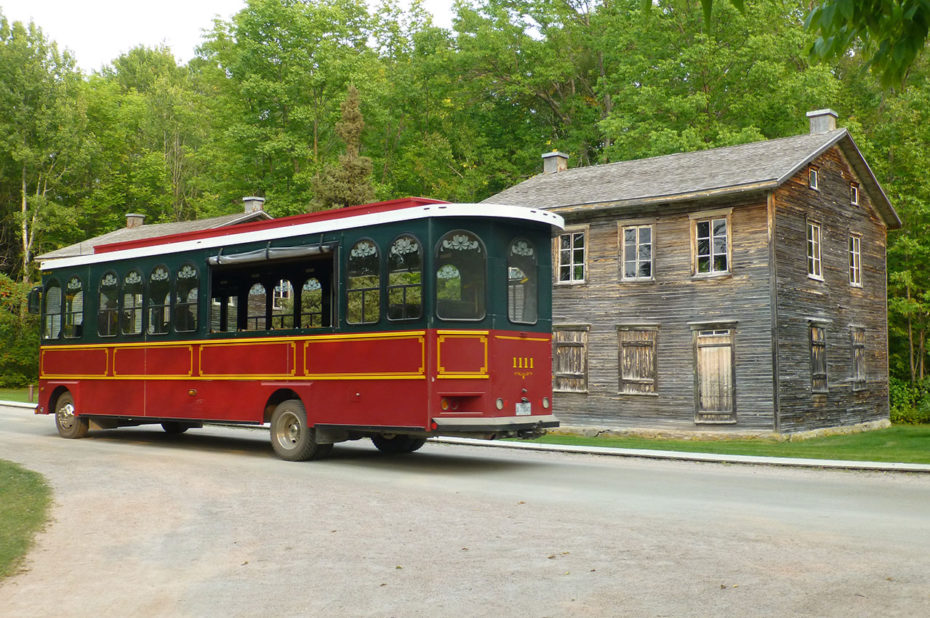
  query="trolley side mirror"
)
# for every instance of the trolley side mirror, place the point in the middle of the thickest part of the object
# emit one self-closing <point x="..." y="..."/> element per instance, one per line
<point x="35" y="300"/>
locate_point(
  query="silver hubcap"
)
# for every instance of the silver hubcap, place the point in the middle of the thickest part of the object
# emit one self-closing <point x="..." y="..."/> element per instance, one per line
<point x="66" y="415"/>
<point x="287" y="430"/>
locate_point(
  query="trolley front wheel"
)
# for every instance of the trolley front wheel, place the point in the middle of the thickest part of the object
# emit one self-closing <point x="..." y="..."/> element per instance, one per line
<point x="69" y="425"/>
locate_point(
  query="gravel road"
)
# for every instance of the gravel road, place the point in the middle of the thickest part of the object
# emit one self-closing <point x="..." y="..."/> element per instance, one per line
<point x="210" y="523"/>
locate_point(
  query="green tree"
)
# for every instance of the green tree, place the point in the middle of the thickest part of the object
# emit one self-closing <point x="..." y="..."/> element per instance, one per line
<point x="41" y="142"/>
<point x="19" y="335"/>
<point x="349" y="182"/>
<point x="276" y="74"/>
<point x="679" y="83"/>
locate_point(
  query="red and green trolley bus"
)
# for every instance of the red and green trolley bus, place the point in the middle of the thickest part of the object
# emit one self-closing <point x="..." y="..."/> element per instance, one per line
<point x="394" y="321"/>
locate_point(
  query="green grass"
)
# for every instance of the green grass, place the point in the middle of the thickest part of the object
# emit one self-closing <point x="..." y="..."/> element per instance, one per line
<point x="16" y="394"/>
<point x="24" y="502"/>
<point x="900" y="443"/>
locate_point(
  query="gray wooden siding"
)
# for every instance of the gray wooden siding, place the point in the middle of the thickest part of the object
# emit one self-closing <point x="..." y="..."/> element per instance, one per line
<point x="832" y="303"/>
<point x="672" y="303"/>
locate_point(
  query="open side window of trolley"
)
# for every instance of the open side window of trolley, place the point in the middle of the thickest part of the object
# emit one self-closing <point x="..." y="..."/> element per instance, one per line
<point x="274" y="288"/>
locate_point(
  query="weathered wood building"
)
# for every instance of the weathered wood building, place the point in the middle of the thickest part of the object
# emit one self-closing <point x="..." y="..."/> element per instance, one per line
<point x="740" y="287"/>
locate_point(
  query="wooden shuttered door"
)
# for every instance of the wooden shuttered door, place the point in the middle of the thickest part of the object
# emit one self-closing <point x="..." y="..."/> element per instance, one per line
<point x="570" y="359"/>
<point x="637" y="359"/>
<point x="714" y="383"/>
<point x="818" y="359"/>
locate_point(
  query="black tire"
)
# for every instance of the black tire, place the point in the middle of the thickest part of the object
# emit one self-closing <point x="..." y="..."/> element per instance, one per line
<point x="69" y="425"/>
<point x="175" y="428"/>
<point x="291" y="438"/>
<point x="397" y="445"/>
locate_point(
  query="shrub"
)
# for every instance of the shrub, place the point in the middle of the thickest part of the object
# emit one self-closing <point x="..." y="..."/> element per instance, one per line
<point x="19" y="336"/>
<point x="910" y="402"/>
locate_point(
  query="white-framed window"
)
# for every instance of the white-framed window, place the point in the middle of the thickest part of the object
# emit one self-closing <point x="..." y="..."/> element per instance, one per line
<point x="855" y="260"/>
<point x="711" y="245"/>
<point x="814" y="259"/>
<point x="853" y="194"/>
<point x="637" y="359"/>
<point x="571" y="256"/>
<point x="813" y="178"/>
<point x="636" y="250"/>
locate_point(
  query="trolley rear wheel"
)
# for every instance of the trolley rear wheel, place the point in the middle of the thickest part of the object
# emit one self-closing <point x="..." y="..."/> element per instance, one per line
<point x="291" y="438"/>
<point x="396" y="445"/>
<point x="69" y="425"/>
<point x="174" y="427"/>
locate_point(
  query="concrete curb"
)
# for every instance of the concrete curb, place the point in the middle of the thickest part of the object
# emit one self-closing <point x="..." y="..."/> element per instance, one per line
<point x="18" y="404"/>
<point x="875" y="466"/>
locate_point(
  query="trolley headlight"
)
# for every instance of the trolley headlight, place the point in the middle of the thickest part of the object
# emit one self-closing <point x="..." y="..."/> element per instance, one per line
<point x="546" y="403"/>
<point x="499" y="403"/>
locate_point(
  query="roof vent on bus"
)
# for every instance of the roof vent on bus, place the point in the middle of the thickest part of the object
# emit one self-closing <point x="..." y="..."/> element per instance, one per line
<point x="253" y="204"/>
<point x="134" y="219"/>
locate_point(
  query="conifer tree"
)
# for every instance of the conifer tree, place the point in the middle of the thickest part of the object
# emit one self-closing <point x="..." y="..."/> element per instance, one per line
<point x="349" y="182"/>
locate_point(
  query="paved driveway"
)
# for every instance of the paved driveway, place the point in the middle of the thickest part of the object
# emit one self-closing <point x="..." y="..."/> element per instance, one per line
<point x="210" y="524"/>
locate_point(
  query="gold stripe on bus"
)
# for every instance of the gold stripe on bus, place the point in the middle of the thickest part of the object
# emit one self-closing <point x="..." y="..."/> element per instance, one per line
<point x="522" y="338"/>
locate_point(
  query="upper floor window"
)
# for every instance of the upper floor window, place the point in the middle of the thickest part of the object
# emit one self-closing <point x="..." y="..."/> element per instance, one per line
<point x="159" y="301"/>
<point x="461" y="276"/>
<point x="363" y="289"/>
<point x="571" y="257"/>
<point x="814" y="261"/>
<point x="855" y="260"/>
<point x="73" y="314"/>
<point x="637" y="252"/>
<point x="405" y="279"/>
<point x="711" y="246"/>
<point x="813" y="178"/>
<point x="854" y="194"/>
<point x="108" y="305"/>
<point x="185" y="301"/>
<point x="132" y="303"/>
<point x="52" y="326"/>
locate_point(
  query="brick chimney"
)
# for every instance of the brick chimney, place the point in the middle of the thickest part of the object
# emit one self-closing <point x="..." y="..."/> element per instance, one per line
<point x="253" y="204"/>
<point x="134" y="219"/>
<point x="822" y="120"/>
<point x="554" y="161"/>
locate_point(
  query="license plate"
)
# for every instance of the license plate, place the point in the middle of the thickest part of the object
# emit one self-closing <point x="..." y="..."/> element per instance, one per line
<point x="524" y="409"/>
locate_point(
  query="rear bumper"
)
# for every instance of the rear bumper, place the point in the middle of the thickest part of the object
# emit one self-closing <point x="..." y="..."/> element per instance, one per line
<point x="493" y="425"/>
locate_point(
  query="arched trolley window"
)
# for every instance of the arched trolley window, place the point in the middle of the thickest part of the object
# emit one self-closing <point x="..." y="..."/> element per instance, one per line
<point x="405" y="279"/>
<point x="185" y="302"/>
<point x="461" y="276"/>
<point x="108" y="305"/>
<point x="132" y="303"/>
<point x="159" y="301"/>
<point x="522" y="282"/>
<point x="51" y="327"/>
<point x="73" y="314"/>
<point x="363" y="289"/>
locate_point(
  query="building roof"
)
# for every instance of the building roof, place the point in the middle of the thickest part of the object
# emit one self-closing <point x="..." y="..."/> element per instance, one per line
<point x="691" y="176"/>
<point x="154" y="230"/>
